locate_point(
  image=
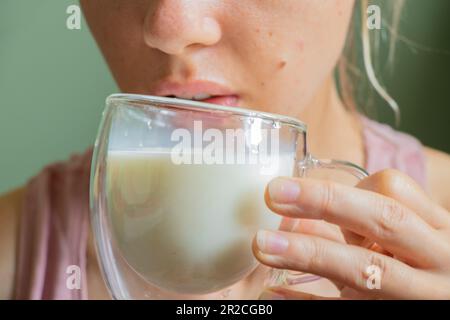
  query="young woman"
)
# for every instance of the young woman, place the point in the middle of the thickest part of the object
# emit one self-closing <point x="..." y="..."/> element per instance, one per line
<point x="276" y="56"/>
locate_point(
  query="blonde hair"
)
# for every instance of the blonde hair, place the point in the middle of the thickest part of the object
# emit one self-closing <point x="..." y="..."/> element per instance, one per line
<point x="361" y="53"/>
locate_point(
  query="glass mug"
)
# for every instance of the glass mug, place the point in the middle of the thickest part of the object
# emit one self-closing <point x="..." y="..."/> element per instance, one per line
<point x="177" y="196"/>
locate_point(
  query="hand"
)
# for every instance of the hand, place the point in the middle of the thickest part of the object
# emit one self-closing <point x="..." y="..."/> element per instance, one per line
<point x="386" y="222"/>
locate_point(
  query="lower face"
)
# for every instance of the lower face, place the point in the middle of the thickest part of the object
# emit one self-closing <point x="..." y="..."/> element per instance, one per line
<point x="273" y="56"/>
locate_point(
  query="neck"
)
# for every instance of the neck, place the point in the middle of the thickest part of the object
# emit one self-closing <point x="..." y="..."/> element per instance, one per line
<point x="333" y="131"/>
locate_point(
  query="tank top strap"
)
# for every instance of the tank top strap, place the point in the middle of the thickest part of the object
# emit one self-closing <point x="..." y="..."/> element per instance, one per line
<point x="53" y="232"/>
<point x="386" y="148"/>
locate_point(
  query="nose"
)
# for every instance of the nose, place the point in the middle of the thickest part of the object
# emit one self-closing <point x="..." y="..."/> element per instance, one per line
<point x="172" y="26"/>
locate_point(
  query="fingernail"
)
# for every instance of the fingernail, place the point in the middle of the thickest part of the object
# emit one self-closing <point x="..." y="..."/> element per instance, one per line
<point x="271" y="243"/>
<point x="270" y="295"/>
<point x="283" y="190"/>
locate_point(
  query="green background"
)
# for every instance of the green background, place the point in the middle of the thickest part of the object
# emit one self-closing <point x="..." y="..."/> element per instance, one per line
<point x="53" y="83"/>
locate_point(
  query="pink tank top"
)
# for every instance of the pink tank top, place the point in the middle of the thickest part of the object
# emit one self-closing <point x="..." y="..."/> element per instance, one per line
<point x="55" y="217"/>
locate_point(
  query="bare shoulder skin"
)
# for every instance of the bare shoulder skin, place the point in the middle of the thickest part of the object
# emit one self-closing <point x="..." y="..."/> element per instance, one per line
<point x="10" y="205"/>
<point x="438" y="171"/>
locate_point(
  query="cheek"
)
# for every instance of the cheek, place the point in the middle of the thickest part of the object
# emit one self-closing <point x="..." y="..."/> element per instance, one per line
<point x="327" y="32"/>
<point x="300" y="53"/>
<point x="117" y="29"/>
<point x="322" y="33"/>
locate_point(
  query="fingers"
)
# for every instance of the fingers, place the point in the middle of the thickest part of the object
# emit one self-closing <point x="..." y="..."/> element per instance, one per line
<point x="377" y="217"/>
<point x="279" y="293"/>
<point x="320" y="228"/>
<point x="366" y="271"/>
<point x="405" y="190"/>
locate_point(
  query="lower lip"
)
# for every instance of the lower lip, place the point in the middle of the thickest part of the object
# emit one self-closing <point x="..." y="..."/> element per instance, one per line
<point x="231" y="100"/>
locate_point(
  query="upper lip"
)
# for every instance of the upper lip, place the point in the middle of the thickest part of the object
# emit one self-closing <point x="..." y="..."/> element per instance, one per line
<point x="190" y="90"/>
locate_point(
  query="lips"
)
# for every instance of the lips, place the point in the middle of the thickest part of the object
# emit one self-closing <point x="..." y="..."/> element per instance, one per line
<point x="204" y="91"/>
<point x="231" y="100"/>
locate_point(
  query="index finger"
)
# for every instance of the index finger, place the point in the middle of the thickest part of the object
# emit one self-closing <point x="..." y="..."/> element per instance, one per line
<point x="377" y="217"/>
<point x="401" y="187"/>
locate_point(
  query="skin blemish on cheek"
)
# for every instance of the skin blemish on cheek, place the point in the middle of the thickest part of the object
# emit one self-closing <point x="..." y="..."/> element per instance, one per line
<point x="281" y="64"/>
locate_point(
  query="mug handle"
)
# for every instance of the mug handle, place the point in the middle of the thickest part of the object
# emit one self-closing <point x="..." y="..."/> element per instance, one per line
<point x="310" y="162"/>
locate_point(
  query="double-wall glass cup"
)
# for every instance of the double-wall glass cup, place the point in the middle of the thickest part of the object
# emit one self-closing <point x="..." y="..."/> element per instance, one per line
<point x="177" y="196"/>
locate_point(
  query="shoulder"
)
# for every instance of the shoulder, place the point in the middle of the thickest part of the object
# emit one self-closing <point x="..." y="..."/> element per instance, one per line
<point x="64" y="184"/>
<point x="11" y="200"/>
<point x="438" y="175"/>
<point x="10" y="207"/>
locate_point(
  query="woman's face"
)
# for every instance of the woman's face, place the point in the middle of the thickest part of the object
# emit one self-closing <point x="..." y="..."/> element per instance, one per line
<point x="270" y="55"/>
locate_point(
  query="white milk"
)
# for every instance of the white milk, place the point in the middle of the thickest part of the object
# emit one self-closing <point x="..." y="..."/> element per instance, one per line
<point x="187" y="228"/>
